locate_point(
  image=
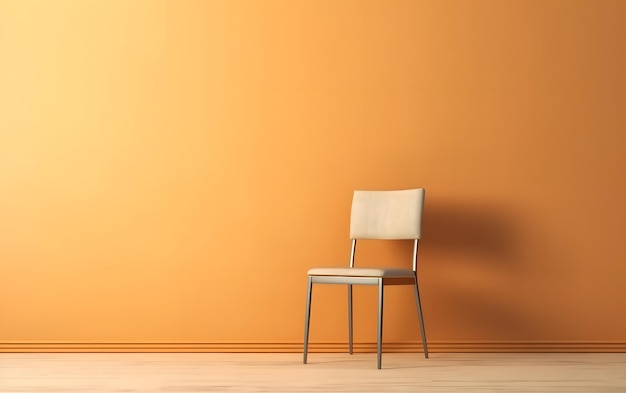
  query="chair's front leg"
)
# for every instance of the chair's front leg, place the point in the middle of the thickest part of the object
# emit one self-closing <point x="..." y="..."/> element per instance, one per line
<point x="350" y="341"/>
<point x="307" y="319"/>
<point x="380" y="321"/>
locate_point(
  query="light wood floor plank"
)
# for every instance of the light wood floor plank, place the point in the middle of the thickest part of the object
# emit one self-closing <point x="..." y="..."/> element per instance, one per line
<point x="402" y="372"/>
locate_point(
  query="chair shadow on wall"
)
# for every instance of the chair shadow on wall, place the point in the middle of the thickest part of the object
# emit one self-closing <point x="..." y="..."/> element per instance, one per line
<point x="485" y="232"/>
<point x="474" y="252"/>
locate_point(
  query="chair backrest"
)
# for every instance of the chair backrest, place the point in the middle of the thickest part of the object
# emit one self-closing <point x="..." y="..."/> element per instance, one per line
<point x="387" y="214"/>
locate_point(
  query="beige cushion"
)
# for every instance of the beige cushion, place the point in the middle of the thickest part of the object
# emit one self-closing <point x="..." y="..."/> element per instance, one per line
<point x="387" y="214"/>
<point x="360" y="272"/>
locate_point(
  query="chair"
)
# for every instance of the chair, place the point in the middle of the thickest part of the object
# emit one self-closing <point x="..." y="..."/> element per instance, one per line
<point x="383" y="215"/>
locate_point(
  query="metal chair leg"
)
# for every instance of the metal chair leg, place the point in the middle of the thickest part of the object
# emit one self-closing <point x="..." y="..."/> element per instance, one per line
<point x="380" y="322"/>
<point x="350" y="337"/>
<point x="307" y="320"/>
<point x="421" y="319"/>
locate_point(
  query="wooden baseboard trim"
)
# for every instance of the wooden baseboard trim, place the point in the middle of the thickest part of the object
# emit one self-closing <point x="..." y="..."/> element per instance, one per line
<point x="291" y="347"/>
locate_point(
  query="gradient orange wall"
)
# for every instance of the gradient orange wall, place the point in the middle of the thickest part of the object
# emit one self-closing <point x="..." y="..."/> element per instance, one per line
<point x="169" y="170"/>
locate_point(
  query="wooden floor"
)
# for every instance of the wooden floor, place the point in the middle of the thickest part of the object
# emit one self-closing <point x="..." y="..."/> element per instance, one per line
<point x="193" y="373"/>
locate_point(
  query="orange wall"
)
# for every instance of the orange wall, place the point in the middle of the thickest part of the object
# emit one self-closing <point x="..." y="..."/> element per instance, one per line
<point x="169" y="170"/>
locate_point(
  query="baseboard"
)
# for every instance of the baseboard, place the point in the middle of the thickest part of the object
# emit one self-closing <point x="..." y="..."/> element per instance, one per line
<point x="292" y="347"/>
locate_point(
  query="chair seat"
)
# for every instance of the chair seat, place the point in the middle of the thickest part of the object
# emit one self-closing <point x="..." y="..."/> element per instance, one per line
<point x="360" y="272"/>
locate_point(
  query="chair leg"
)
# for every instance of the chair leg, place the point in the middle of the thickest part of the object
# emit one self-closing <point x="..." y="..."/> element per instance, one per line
<point x="380" y="322"/>
<point x="421" y="319"/>
<point x="307" y="320"/>
<point x="350" y="337"/>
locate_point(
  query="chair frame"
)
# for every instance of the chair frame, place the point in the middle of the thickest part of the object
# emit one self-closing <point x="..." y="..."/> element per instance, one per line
<point x="379" y="281"/>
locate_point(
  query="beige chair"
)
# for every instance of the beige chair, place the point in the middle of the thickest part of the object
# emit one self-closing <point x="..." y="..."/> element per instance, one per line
<point x="382" y="215"/>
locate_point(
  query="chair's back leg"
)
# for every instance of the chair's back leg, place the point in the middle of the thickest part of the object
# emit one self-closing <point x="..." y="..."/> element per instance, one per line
<point x="421" y="318"/>
<point x="350" y="330"/>
<point x="307" y="319"/>
<point x="417" y="300"/>
<point x="380" y="322"/>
